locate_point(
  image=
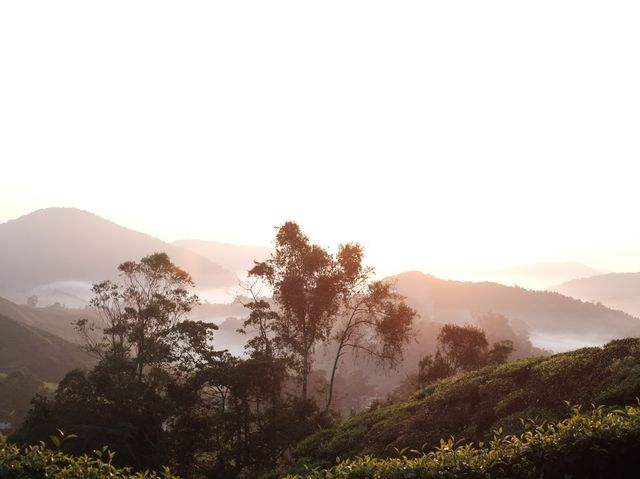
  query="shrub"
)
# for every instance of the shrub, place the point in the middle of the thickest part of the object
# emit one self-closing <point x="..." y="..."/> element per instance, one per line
<point x="38" y="461"/>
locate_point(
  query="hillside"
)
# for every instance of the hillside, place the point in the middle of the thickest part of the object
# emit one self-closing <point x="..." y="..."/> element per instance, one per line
<point x="56" y="320"/>
<point x="552" y="320"/>
<point x="595" y="444"/>
<point x="59" y="252"/>
<point x="472" y="405"/>
<point x="236" y="258"/>
<point x="27" y="348"/>
<point x="615" y="290"/>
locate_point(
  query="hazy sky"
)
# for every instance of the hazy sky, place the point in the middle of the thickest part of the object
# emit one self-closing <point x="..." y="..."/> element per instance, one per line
<point x="439" y="134"/>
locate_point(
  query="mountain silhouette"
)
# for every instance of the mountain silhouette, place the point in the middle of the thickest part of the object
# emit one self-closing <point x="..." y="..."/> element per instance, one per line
<point x="615" y="290"/>
<point x="49" y="249"/>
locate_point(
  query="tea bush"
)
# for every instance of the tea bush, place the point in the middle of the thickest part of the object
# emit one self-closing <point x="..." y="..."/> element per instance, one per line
<point x="40" y="462"/>
<point x="596" y="444"/>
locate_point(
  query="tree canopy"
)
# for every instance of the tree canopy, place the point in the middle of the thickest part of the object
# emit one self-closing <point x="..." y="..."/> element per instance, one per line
<point x="321" y="297"/>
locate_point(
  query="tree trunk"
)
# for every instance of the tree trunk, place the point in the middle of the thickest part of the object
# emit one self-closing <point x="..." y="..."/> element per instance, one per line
<point x="333" y="376"/>
<point x="305" y="375"/>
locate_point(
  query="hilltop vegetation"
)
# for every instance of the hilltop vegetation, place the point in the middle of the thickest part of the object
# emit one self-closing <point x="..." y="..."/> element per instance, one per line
<point x="472" y="405"/>
<point x="594" y="445"/>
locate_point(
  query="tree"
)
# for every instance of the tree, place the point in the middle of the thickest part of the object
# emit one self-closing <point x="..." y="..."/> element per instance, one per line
<point x="32" y="301"/>
<point x="142" y="315"/>
<point x="461" y="349"/>
<point x="161" y="394"/>
<point x="464" y="347"/>
<point x="374" y="320"/>
<point x="320" y="297"/>
<point x="147" y="349"/>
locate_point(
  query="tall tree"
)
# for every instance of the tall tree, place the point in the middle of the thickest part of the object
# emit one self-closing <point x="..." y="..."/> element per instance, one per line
<point x="307" y="283"/>
<point x="147" y="349"/>
<point x="322" y="297"/>
<point x="461" y="349"/>
<point x="374" y="320"/>
<point x="141" y="314"/>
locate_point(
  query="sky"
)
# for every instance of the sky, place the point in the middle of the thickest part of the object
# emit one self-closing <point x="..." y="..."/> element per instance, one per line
<point x="453" y="135"/>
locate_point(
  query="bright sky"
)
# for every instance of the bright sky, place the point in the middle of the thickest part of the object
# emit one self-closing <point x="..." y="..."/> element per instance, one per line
<point x="452" y="134"/>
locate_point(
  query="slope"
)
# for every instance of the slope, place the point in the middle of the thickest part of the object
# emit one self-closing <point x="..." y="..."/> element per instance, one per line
<point x="473" y="405"/>
<point x="30" y="349"/>
<point x="56" y="320"/>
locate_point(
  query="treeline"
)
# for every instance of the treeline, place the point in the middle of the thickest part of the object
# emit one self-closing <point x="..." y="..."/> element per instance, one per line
<point x="162" y="394"/>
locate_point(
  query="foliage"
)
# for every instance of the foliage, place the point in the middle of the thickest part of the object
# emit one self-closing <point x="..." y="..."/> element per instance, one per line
<point x="16" y="390"/>
<point x="472" y="405"/>
<point x="32" y="301"/>
<point x="146" y="350"/>
<point x="373" y="320"/>
<point x="234" y="421"/>
<point x="38" y="461"/>
<point x="321" y="297"/>
<point x="595" y="444"/>
<point x="142" y="314"/>
<point x="460" y="349"/>
<point x="161" y="394"/>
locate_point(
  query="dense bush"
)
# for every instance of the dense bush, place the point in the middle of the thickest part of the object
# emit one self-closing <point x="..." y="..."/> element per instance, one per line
<point x="38" y="461"/>
<point x="596" y="444"/>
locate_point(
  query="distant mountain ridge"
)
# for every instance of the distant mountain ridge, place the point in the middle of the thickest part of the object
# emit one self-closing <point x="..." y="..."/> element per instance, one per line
<point x="44" y="248"/>
<point x="534" y="276"/>
<point x="616" y="290"/>
<point x="548" y="272"/>
<point x="546" y="316"/>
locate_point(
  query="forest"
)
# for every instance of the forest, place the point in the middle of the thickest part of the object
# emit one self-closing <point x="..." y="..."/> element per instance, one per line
<point x="160" y="395"/>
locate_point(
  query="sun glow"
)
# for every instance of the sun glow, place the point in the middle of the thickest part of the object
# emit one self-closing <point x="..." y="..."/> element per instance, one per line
<point x="442" y="138"/>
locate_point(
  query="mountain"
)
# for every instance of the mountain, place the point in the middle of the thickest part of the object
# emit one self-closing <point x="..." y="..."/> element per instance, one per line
<point x="544" y="274"/>
<point x="470" y="407"/>
<point x="534" y="276"/>
<point x="236" y="258"/>
<point x="615" y="290"/>
<point x="63" y="250"/>
<point x="552" y="321"/>
<point x="26" y="348"/>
